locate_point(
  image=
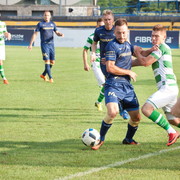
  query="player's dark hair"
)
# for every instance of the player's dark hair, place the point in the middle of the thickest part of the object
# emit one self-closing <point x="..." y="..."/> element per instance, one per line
<point x="99" y="20"/>
<point x="47" y="11"/>
<point x="121" y="22"/>
<point x="159" y="27"/>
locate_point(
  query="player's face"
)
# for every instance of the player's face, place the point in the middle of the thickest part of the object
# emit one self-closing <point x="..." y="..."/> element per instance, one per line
<point x="47" y="16"/>
<point x="121" y="33"/>
<point x="100" y="24"/>
<point x="158" y="37"/>
<point x="108" y="21"/>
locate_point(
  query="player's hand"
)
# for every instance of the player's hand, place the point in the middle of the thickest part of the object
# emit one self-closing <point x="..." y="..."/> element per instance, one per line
<point x="30" y="47"/>
<point x="133" y="75"/>
<point x="62" y="35"/>
<point x="103" y="61"/>
<point x="155" y="48"/>
<point x="9" y="36"/>
<point x="87" y="67"/>
<point x="92" y="57"/>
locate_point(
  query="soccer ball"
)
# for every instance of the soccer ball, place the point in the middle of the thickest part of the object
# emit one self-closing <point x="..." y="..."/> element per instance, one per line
<point x="90" y="137"/>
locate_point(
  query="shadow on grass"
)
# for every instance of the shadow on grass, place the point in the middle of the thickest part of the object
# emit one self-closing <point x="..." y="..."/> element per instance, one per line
<point x="50" y="114"/>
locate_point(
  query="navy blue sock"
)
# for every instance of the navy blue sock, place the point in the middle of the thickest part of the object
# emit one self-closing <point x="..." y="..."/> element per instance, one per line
<point x="120" y="108"/>
<point x="104" y="128"/>
<point x="44" y="73"/>
<point x="130" y="132"/>
<point x="48" y="70"/>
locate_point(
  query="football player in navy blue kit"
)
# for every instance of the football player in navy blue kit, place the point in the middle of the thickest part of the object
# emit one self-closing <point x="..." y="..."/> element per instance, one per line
<point x="46" y="29"/>
<point x="105" y="34"/>
<point x="118" y="87"/>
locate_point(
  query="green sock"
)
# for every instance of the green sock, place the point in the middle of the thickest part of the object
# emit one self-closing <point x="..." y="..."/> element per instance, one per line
<point x="2" y="71"/>
<point x="159" y="119"/>
<point x="101" y="95"/>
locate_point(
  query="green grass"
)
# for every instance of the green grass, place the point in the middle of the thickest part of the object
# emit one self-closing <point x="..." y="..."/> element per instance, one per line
<point x="41" y="123"/>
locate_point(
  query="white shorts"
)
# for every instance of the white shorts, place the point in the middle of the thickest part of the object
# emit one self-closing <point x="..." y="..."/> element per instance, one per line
<point x="98" y="73"/>
<point x="164" y="98"/>
<point x="2" y="52"/>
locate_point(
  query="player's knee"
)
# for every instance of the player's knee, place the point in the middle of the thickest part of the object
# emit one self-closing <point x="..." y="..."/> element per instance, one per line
<point x="135" y="122"/>
<point x="145" y="110"/>
<point x="112" y="114"/>
<point x="52" y="62"/>
<point x="47" y="62"/>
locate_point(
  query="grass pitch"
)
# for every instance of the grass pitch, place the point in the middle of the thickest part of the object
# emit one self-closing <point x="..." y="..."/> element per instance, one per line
<point x="41" y="123"/>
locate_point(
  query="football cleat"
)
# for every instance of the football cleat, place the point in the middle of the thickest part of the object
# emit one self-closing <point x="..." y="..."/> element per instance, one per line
<point x="51" y="80"/>
<point x="172" y="138"/>
<point x="5" y="81"/>
<point x="130" y="142"/>
<point x="124" y="114"/>
<point x="97" y="146"/>
<point x="99" y="106"/>
<point x="44" y="77"/>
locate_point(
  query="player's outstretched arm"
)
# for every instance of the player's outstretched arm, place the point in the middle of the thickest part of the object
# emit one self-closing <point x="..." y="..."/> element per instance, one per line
<point x="33" y="38"/>
<point x="149" y="51"/>
<point x="143" y="60"/>
<point x="59" y="34"/>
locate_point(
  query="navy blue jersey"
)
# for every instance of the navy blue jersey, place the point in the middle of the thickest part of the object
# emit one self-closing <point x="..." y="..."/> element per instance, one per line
<point x="46" y="30"/>
<point x="104" y="36"/>
<point x="121" y="54"/>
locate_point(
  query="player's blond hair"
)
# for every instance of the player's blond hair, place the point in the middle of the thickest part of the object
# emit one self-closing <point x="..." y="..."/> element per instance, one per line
<point x="107" y="12"/>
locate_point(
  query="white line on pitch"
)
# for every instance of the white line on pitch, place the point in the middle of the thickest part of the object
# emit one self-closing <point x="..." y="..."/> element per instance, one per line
<point x="116" y="164"/>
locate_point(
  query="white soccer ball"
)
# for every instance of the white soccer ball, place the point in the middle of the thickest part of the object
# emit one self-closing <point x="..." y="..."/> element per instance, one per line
<point x="90" y="137"/>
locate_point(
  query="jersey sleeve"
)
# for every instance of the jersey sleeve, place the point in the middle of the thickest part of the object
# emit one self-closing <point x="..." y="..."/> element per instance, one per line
<point x="96" y="37"/>
<point x="132" y="49"/>
<point x="55" y="27"/>
<point x="4" y="28"/>
<point x="110" y="52"/>
<point x="156" y="54"/>
<point x="38" y="27"/>
<point x="89" y="42"/>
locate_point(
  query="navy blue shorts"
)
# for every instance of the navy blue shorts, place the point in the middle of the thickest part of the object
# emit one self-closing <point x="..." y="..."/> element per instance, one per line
<point x="121" y="91"/>
<point x="48" y="51"/>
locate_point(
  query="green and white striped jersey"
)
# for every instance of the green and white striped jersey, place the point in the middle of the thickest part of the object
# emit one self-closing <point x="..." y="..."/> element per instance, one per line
<point x="88" y="45"/>
<point x="163" y="68"/>
<point x="2" y="31"/>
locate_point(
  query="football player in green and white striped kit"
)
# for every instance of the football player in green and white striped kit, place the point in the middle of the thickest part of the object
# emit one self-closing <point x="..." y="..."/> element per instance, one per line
<point x="166" y="96"/>
<point x="3" y="33"/>
<point x="95" y="65"/>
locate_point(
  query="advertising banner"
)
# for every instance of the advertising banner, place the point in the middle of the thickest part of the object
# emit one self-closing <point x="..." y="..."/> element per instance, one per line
<point x="143" y="39"/>
<point x="20" y="37"/>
